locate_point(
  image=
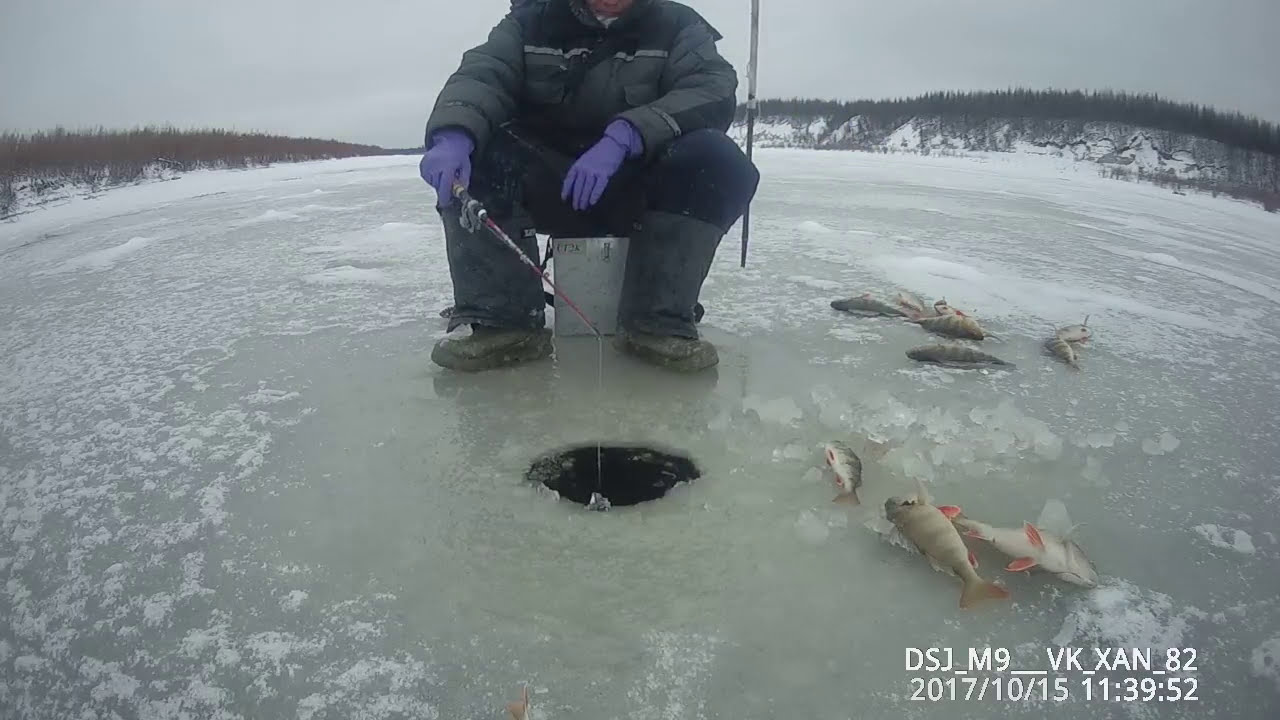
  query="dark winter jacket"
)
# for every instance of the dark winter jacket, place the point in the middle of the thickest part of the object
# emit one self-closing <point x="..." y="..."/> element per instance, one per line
<point x="662" y="73"/>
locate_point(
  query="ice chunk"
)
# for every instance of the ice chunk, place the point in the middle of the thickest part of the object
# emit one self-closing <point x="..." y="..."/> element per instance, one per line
<point x="1151" y="447"/>
<point x="1266" y="661"/>
<point x="1122" y="426"/>
<point x="1046" y="444"/>
<point x="790" y="451"/>
<point x="1168" y="442"/>
<point x="782" y="411"/>
<point x="293" y="601"/>
<point x="1093" y="472"/>
<point x="815" y="283"/>
<point x="1226" y="538"/>
<point x="812" y="476"/>
<point x="833" y="409"/>
<point x="1001" y="442"/>
<point x="809" y="226"/>
<point x="1100" y="439"/>
<point x="811" y="529"/>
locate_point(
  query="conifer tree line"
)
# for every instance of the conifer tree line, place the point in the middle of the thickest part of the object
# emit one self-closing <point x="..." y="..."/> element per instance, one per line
<point x="1149" y="110"/>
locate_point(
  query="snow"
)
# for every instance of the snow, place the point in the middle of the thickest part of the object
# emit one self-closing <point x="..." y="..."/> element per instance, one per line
<point x="233" y="485"/>
<point x="1238" y="541"/>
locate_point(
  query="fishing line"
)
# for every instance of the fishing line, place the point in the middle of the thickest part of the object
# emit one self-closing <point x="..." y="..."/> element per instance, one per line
<point x="474" y="208"/>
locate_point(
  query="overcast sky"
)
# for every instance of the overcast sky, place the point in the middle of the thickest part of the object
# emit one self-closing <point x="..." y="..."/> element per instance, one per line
<point x="368" y="70"/>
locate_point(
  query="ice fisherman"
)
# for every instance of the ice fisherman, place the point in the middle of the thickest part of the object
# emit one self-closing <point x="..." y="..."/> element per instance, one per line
<point x="581" y="118"/>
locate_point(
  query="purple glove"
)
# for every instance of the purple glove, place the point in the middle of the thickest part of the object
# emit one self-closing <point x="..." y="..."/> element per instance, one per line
<point x="448" y="158"/>
<point x="589" y="176"/>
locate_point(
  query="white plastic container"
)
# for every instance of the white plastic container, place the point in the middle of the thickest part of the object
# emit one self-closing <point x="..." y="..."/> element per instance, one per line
<point x="590" y="272"/>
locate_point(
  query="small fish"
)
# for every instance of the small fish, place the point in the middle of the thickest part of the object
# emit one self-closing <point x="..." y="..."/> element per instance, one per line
<point x="954" y="355"/>
<point x="1031" y="547"/>
<point x="520" y="710"/>
<point x="931" y="531"/>
<point x="1075" y="333"/>
<point x="957" y="326"/>
<point x="909" y="302"/>
<point x="846" y="465"/>
<point x="866" y="303"/>
<point x="1063" y="350"/>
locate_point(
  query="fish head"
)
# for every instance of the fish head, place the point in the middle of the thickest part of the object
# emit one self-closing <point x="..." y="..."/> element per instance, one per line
<point x="1079" y="570"/>
<point x="894" y="506"/>
<point x="1075" y="333"/>
<point x="838" y="460"/>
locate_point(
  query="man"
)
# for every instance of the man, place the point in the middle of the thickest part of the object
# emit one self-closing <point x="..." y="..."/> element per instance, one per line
<point x="581" y="118"/>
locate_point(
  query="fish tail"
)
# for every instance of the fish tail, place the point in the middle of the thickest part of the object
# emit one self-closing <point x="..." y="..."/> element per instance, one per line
<point x="976" y="590"/>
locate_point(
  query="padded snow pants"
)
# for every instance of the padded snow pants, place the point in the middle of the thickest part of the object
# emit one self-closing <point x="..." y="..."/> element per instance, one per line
<point x="675" y="209"/>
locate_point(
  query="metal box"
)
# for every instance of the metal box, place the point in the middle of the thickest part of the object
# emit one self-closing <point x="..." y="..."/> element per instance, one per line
<point x="590" y="272"/>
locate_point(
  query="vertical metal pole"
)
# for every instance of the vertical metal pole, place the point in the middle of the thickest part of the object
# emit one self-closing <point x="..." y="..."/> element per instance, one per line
<point x="751" y="113"/>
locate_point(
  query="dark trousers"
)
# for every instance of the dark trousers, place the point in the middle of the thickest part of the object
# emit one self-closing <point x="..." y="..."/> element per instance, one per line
<point x="702" y="175"/>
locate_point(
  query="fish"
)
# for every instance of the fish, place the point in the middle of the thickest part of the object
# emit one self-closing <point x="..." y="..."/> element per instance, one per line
<point x="866" y="303"/>
<point x="846" y="465"/>
<point x="520" y="710"/>
<point x="1075" y="333"/>
<point x="954" y="355"/>
<point x="909" y="302"/>
<point x="930" y="530"/>
<point x="1031" y="547"/>
<point x="1063" y="350"/>
<point x="957" y="326"/>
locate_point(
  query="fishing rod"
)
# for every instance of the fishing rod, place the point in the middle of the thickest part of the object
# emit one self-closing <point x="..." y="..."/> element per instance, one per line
<point x="474" y="208"/>
<point x="752" y="104"/>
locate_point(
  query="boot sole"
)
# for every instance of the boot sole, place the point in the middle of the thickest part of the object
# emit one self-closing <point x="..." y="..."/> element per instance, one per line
<point x="694" y="363"/>
<point x="537" y="348"/>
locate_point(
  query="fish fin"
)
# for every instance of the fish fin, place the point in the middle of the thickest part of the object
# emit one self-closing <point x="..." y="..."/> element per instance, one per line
<point x="1021" y="564"/>
<point x="977" y="590"/>
<point x="1071" y="531"/>
<point x="1055" y="518"/>
<point x="1033" y="535"/>
<point x="951" y="511"/>
<point x="849" y="498"/>
<point x="973" y="560"/>
<point x="922" y="494"/>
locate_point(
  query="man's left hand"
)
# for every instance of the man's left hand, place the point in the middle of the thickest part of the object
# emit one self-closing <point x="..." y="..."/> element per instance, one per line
<point x="589" y="176"/>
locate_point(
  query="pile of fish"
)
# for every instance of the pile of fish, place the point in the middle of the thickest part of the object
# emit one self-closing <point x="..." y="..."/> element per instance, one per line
<point x="938" y="532"/>
<point x="942" y="319"/>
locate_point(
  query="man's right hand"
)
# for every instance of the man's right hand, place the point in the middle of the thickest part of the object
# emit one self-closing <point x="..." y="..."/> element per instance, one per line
<point x="449" y="158"/>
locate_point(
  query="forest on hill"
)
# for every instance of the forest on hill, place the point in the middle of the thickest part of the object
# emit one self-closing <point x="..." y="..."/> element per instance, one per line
<point x="37" y="164"/>
<point x="1148" y="110"/>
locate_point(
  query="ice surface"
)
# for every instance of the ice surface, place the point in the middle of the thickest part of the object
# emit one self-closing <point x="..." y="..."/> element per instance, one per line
<point x="1120" y="614"/>
<point x="232" y="485"/>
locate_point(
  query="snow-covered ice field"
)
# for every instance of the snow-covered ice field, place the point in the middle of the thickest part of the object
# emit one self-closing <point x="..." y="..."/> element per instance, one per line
<point x="232" y="484"/>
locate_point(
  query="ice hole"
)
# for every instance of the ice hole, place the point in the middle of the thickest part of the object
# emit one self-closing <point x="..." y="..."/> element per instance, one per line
<point x="628" y="474"/>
